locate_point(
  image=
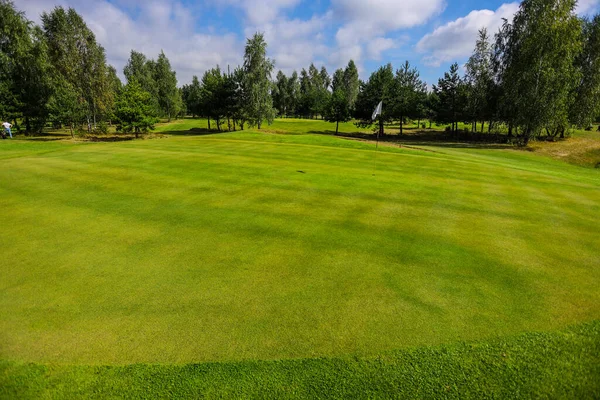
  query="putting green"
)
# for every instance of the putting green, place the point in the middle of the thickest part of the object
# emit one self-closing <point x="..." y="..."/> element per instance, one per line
<point x="258" y="246"/>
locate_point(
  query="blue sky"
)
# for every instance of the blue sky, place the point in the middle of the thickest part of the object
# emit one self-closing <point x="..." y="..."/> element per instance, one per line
<point x="196" y="35"/>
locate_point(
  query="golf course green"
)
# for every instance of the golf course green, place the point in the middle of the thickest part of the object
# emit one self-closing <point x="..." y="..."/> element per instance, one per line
<point x="290" y="247"/>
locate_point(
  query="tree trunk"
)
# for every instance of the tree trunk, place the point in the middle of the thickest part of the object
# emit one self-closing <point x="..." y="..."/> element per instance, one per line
<point x="401" y="124"/>
<point x="209" y="123"/>
<point x="510" y="129"/>
<point x="234" y="125"/>
<point x="337" y="126"/>
<point x="419" y="123"/>
<point x="259" y="124"/>
<point x="71" y="127"/>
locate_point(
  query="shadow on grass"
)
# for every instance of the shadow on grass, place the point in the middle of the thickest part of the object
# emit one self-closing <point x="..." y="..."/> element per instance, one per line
<point x="194" y="132"/>
<point x="415" y="137"/>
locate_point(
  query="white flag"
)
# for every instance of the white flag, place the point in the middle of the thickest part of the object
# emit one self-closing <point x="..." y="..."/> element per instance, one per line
<point x="377" y="111"/>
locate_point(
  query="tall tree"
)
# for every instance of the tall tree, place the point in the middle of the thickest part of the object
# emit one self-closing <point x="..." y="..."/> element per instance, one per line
<point x="209" y="97"/>
<point x="258" y="69"/>
<point x="587" y="93"/>
<point x="450" y="92"/>
<point x="293" y="90"/>
<point x="351" y="83"/>
<point x="408" y="90"/>
<point x="281" y="94"/>
<point x="539" y="74"/>
<point x="338" y="108"/>
<point x="135" y="109"/>
<point x="169" y="98"/>
<point x="378" y="88"/>
<point x="25" y="84"/>
<point x="79" y="60"/>
<point x="479" y="77"/>
<point x="192" y="94"/>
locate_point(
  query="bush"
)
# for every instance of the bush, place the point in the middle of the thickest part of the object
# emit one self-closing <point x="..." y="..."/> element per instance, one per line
<point x="589" y="128"/>
<point x="101" y="127"/>
<point x="423" y="126"/>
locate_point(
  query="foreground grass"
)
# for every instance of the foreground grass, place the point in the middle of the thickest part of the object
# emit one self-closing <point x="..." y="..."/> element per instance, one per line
<point x="563" y="364"/>
<point x="256" y="246"/>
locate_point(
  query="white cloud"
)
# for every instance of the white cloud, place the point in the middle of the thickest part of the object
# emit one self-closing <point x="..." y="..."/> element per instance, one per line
<point x="456" y="39"/>
<point x="379" y="45"/>
<point x="367" y="24"/>
<point x="294" y="43"/>
<point x="158" y="25"/>
<point x="261" y="11"/>
<point x="586" y="7"/>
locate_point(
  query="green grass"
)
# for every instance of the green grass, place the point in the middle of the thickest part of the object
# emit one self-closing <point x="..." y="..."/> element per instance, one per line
<point x="563" y="364"/>
<point x="247" y="246"/>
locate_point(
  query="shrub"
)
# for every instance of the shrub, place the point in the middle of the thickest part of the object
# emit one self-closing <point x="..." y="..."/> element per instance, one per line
<point x="101" y="127"/>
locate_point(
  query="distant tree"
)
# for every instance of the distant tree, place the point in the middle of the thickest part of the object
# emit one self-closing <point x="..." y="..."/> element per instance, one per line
<point x="586" y="106"/>
<point x="25" y="84"/>
<point x="538" y="64"/>
<point x="479" y="78"/>
<point x="451" y="95"/>
<point x="79" y="60"/>
<point x="281" y="97"/>
<point x="306" y="98"/>
<point x="338" y="108"/>
<point x="351" y="83"/>
<point x="66" y="107"/>
<point x="239" y="111"/>
<point x="257" y="82"/>
<point x="192" y="96"/>
<point x="293" y="90"/>
<point x="164" y="77"/>
<point x="135" y="109"/>
<point x="378" y="88"/>
<point x="209" y="96"/>
<point x="407" y="93"/>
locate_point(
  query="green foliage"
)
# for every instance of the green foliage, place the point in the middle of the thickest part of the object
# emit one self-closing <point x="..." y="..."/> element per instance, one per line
<point x="408" y="94"/>
<point x="168" y="97"/>
<point x="479" y="80"/>
<point x="587" y="94"/>
<point x="339" y="108"/>
<point x="80" y="63"/>
<point x="25" y="85"/>
<point x="135" y="109"/>
<point x="537" y="59"/>
<point x="379" y="87"/>
<point x="258" y="103"/>
<point x="451" y="97"/>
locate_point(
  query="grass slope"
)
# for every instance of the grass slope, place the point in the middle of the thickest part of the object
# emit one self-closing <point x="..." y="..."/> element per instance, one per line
<point x="217" y="248"/>
<point x="563" y="364"/>
<point x="247" y="246"/>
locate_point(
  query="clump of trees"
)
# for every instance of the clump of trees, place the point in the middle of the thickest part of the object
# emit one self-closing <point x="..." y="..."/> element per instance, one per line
<point x="58" y="73"/>
<point x="538" y="75"/>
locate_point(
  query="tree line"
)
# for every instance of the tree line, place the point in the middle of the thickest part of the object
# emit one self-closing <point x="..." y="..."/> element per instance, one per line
<point x="538" y="75"/>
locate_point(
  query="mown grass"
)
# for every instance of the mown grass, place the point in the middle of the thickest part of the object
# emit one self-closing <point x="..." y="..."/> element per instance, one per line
<point x="563" y="364"/>
<point x="262" y="246"/>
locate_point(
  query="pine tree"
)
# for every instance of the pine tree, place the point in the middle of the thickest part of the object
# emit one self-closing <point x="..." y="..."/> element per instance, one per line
<point x="407" y="93"/>
<point x="451" y="95"/>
